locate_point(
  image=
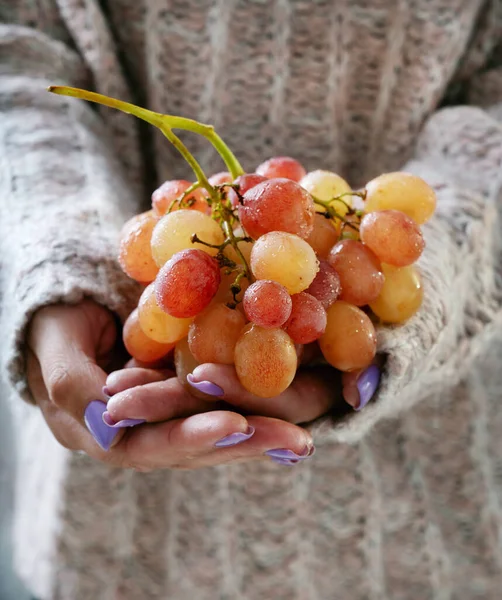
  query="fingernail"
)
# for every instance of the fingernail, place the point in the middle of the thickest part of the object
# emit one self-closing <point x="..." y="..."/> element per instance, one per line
<point x="235" y="438"/>
<point x="109" y="422"/>
<point x="367" y="384"/>
<point x="106" y="392"/>
<point x="284" y="461"/>
<point x="207" y="387"/>
<point x="93" y="417"/>
<point x="284" y="454"/>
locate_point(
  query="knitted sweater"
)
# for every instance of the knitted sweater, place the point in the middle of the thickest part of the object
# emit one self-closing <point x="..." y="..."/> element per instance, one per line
<point x="402" y="500"/>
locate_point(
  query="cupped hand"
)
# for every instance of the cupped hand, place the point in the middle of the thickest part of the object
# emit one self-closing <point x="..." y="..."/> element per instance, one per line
<point x="69" y="351"/>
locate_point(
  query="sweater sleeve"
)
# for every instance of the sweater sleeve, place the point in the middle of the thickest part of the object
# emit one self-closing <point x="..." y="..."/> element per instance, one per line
<point x="460" y="154"/>
<point x="63" y="194"/>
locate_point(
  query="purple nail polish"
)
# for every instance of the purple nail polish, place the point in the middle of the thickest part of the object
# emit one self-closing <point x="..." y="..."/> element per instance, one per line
<point x="235" y="438"/>
<point x="93" y="417"/>
<point x="207" y="387"/>
<point x="106" y="392"/>
<point x="289" y="455"/>
<point x="367" y="384"/>
<point x="284" y="461"/>
<point x="107" y="420"/>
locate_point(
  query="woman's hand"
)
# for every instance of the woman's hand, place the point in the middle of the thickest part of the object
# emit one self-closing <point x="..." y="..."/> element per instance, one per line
<point x="69" y="349"/>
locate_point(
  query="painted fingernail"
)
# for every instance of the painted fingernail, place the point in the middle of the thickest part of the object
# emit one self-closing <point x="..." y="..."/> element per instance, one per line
<point x="93" y="417"/>
<point x="367" y="384"/>
<point x="109" y="422"/>
<point x="235" y="438"/>
<point x="277" y="454"/>
<point x="207" y="387"/>
<point x="284" y="461"/>
<point x="106" y="392"/>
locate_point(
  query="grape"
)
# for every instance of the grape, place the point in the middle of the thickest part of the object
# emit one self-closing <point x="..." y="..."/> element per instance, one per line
<point x="277" y="205"/>
<point x="325" y="185"/>
<point x="245" y="183"/>
<point x="393" y="236"/>
<point x="308" y="319"/>
<point x="326" y="285"/>
<point x="285" y="258"/>
<point x="135" y="254"/>
<point x="213" y="335"/>
<point x="220" y="178"/>
<point x="185" y="363"/>
<point x="359" y="270"/>
<point x="187" y="283"/>
<point x="401" y="295"/>
<point x="156" y="323"/>
<point x="401" y="191"/>
<point x="267" y="304"/>
<point x="281" y="166"/>
<point x="265" y="360"/>
<point x="323" y="237"/>
<point x="349" y="342"/>
<point x="174" y="231"/>
<point x="139" y="345"/>
<point x="169" y="191"/>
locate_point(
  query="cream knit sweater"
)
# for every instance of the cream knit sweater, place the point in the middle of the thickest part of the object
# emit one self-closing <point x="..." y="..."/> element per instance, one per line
<point x="402" y="500"/>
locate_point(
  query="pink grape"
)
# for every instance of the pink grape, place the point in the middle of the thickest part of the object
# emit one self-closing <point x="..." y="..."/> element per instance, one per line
<point x="187" y="283"/>
<point x="218" y="179"/>
<point x="245" y="183"/>
<point x="265" y="360"/>
<point x="135" y="253"/>
<point x="349" y="342"/>
<point x="163" y="197"/>
<point x="277" y="205"/>
<point x="282" y="166"/>
<point x="359" y="270"/>
<point x="307" y="321"/>
<point x="139" y="345"/>
<point x="326" y="285"/>
<point x="267" y="304"/>
<point x="393" y="236"/>
<point x="214" y="333"/>
<point x="324" y="235"/>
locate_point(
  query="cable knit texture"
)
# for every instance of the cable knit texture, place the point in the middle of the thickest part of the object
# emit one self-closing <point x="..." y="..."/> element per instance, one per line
<point x="412" y="507"/>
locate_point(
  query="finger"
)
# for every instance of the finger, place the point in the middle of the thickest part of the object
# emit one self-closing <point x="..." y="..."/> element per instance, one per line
<point x="67" y="431"/>
<point x="360" y="386"/>
<point x="62" y="345"/>
<point x="157" y="401"/>
<point x="192" y="442"/>
<point x="121" y="380"/>
<point x="312" y="393"/>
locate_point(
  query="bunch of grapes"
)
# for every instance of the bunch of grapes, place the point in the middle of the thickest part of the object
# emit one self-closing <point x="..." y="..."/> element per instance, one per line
<point x="269" y="270"/>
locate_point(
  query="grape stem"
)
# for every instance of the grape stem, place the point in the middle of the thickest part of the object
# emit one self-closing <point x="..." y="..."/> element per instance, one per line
<point x="332" y="213"/>
<point x="229" y="232"/>
<point x="165" y="123"/>
<point x="184" y="195"/>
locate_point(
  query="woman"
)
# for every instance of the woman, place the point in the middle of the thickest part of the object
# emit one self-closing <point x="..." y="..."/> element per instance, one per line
<point x="412" y="508"/>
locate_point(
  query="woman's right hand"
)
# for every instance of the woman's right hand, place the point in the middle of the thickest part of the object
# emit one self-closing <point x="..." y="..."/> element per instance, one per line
<point x="69" y="349"/>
